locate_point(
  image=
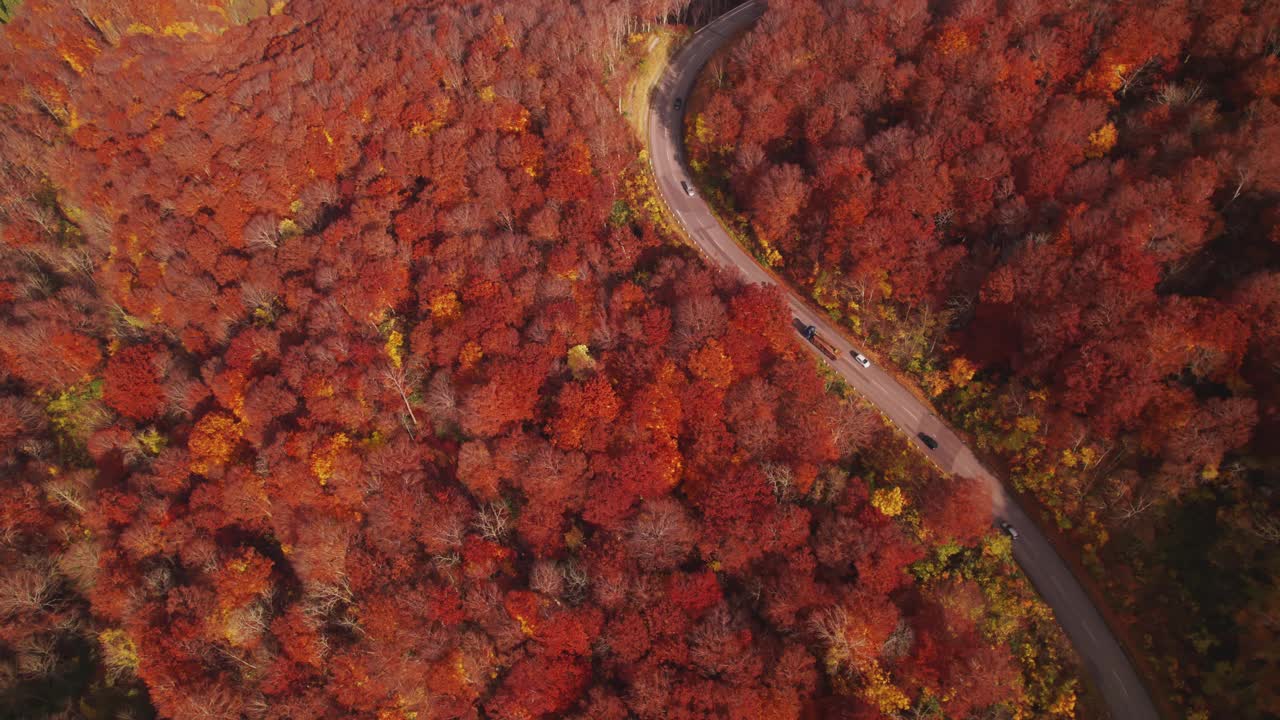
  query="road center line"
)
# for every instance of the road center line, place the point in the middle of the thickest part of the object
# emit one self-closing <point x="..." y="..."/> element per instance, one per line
<point x="1116" y="674"/>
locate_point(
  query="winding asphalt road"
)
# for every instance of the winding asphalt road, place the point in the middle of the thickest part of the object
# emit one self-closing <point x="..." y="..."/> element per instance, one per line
<point x="1106" y="662"/>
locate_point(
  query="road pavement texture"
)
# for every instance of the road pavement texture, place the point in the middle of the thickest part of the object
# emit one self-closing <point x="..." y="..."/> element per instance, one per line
<point x="1106" y="662"/>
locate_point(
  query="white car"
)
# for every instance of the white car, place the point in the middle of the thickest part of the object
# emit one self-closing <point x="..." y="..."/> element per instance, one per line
<point x="860" y="358"/>
<point x="1009" y="529"/>
<point x="688" y="190"/>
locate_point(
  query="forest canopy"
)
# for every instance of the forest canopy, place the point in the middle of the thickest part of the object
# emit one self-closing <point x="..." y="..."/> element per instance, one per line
<point x="347" y="370"/>
<point x="1061" y="220"/>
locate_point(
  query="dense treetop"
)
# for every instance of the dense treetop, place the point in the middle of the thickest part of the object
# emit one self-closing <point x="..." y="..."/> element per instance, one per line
<point x="1078" y="202"/>
<point x="346" y="372"/>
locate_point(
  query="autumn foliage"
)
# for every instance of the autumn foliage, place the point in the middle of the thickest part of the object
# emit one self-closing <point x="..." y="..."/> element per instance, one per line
<point x="1078" y="202"/>
<point x="344" y="373"/>
<point x="133" y="383"/>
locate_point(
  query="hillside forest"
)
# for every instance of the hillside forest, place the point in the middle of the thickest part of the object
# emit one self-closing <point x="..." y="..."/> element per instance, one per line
<point x="349" y="370"/>
<point x="1060" y="221"/>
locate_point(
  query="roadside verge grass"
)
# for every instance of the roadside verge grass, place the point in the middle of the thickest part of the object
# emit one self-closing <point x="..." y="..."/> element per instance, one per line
<point x="654" y="50"/>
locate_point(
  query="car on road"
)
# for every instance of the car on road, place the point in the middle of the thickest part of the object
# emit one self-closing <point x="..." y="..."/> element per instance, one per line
<point x="1009" y="529"/>
<point x="679" y="103"/>
<point x="928" y="440"/>
<point x="688" y="190"/>
<point x="860" y="358"/>
<point x="825" y="346"/>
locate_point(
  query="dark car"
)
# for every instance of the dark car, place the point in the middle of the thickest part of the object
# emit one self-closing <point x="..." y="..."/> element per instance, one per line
<point x="679" y="103"/>
<point x="928" y="440"/>
<point x="1009" y="529"/>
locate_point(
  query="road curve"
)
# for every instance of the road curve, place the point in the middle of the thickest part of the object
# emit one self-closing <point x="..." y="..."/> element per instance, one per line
<point x="1104" y="660"/>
